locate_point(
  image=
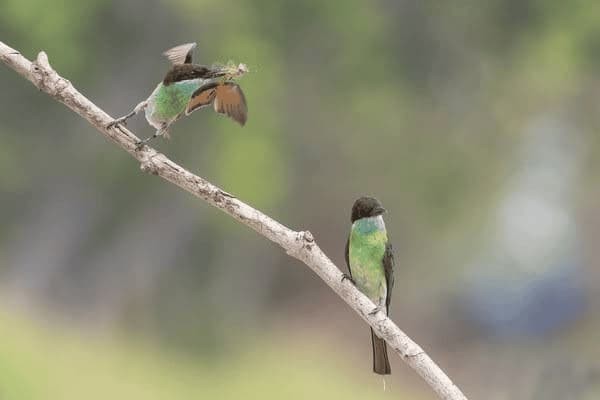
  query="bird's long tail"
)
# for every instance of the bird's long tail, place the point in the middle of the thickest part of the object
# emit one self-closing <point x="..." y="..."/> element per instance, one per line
<point x="381" y="364"/>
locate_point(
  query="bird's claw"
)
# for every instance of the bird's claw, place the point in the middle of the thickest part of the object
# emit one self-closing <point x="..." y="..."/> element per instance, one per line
<point x="115" y="122"/>
<point x="375" y="311"/>
<point x="348" y="277"/>
<point x="139" y="144"/>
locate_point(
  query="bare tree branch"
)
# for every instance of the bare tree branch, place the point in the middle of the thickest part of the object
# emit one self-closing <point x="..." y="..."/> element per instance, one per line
<point x="300" y="245"/>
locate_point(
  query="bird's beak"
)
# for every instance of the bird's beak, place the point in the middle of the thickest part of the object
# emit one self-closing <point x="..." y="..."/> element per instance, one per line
<point x="380" y="210"/>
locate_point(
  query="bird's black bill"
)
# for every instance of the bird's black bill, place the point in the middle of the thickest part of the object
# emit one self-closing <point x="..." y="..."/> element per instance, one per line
<point x="379" y="210"/>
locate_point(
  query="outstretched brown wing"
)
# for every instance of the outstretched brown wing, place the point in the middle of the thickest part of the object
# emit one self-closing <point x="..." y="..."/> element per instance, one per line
<point x="227" y="98"/>
<point x="181" y="54"/>
<point x="230" y="100"/>
<point x="202" y="97"/>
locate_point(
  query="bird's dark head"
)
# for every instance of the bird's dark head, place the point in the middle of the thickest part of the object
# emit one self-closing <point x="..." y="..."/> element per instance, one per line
<point x="183" y="72"/>
<point x="365" y="207"/>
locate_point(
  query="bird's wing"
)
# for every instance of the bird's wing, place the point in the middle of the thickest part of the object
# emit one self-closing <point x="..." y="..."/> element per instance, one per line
<point x="347" y="256"/>
<point x="227" y="98"/>
<point x="388" y="267"/>
<point x="181" y="54"/>
<point x="202" y="97"/>
<point x="230" y="100"/>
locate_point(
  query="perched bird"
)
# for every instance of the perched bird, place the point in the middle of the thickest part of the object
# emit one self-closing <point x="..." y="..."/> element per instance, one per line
<point x="370" y="260"/>
<point x="188" y="87"/>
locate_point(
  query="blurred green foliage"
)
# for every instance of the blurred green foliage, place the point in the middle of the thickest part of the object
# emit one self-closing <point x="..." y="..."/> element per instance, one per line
<point x="423" y="104"/>
<point x="37" y="362"/>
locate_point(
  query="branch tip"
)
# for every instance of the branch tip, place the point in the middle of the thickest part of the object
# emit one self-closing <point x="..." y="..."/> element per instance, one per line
<point x="42" y="58"/>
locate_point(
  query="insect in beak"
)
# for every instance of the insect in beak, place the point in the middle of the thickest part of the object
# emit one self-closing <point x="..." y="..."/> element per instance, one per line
<point x="242" y="69"/>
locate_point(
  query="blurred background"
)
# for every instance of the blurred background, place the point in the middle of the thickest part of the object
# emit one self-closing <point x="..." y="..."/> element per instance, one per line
<point x="475" y="123"/>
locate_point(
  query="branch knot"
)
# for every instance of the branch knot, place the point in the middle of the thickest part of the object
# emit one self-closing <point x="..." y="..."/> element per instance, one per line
<point x="148" y="165"/>
<point x="308" y="237"/>
<point x="307" y="240"/>
<point x="46" y="78"/>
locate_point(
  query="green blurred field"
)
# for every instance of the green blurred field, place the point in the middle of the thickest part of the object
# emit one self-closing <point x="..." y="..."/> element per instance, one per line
<point x="37" y="359"/>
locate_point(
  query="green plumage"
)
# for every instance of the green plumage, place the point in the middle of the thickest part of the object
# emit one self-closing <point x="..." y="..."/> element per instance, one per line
<point x="187" y="87"/>
<point x="367" y="246"/>
<point x="167" y="103"/>
<point x="370" y="260"/>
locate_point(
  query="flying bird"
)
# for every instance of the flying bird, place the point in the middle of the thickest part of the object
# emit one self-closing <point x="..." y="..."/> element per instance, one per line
<point x="188" y="87"/>
<point x="370" y="261"/>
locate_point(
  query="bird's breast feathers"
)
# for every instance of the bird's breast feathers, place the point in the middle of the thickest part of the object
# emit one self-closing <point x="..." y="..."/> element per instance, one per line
<point x="368" y="240"/>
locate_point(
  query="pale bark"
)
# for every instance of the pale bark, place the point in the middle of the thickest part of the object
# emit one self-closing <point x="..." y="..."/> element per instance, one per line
<point x="298" y="244"/>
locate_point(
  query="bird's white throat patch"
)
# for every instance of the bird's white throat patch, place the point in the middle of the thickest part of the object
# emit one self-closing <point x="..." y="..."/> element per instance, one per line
<point x="376" y="221"/>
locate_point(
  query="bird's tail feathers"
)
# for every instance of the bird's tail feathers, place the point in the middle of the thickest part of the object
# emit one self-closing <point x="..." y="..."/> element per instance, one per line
<point x="381" y="364"/>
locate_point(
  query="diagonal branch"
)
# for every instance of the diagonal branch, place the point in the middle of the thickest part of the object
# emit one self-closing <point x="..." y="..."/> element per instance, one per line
<point x="300" y="245"/>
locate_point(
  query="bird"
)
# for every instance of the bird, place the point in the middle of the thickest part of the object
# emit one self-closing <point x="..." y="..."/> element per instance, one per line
<point x="370" y="261"/>
<point x="188" y="87"/>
